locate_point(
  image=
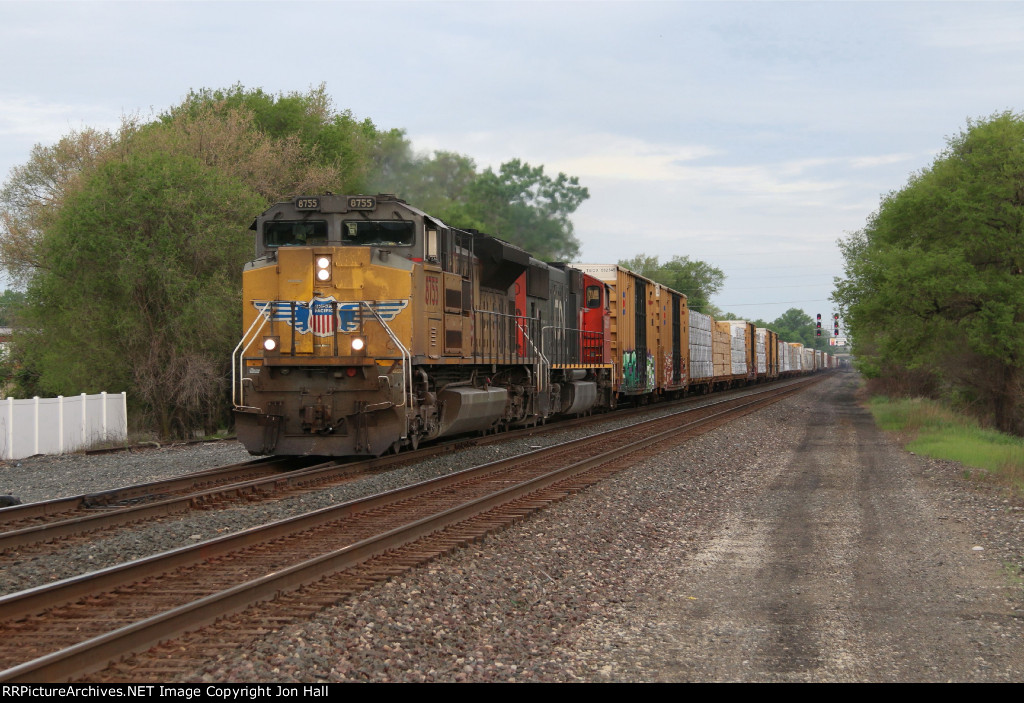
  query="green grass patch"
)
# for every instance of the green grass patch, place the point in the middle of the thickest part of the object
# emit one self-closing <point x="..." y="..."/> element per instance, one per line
<point x="1014" y="575"/>
<point x="942" y="433"/>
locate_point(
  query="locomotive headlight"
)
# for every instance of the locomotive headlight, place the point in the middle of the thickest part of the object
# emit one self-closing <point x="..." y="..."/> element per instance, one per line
<point x="270" y="343"/>
<point x="358" y="343"/>
<point x="323" y="268"/>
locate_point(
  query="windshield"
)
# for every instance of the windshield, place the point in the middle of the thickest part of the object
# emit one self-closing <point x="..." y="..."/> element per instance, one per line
<point x="294" y="233"/>
<point x="366" y="233"/>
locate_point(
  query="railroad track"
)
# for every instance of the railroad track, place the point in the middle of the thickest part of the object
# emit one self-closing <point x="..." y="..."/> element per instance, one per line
<point x="45" y="521"/>
<point x="72" y="627"/>
<point x="35" y="524"/>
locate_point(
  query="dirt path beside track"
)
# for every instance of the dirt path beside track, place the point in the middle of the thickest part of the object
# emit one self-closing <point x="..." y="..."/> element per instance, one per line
<point x="851" y="564"/>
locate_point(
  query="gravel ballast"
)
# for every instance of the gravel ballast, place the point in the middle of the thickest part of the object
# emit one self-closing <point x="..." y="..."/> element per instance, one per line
<point x="617" y="583"/>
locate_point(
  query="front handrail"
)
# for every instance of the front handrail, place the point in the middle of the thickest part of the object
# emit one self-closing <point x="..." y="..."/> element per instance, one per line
<point x="239" y="352"/>
<point x="406" y="357"/>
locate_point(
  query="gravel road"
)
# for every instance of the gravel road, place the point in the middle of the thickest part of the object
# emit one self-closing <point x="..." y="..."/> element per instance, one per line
<point x="796" y="544"/>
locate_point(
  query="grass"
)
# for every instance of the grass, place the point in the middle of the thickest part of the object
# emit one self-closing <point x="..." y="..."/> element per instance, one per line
<point x="942" y="433"/>
<point x="1014" y="575"/>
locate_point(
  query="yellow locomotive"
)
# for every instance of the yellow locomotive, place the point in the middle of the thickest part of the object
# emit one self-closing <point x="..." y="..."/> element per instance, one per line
<point x="372" y="326"/>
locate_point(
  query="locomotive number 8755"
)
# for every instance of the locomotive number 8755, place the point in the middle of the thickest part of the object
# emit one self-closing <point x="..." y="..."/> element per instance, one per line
<point x="371" y="325"/>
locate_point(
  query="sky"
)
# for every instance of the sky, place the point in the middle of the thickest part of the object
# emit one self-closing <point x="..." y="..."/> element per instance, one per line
<point x="750" y="135"/>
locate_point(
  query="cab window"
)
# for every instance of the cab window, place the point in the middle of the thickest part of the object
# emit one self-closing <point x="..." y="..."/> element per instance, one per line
<point x="294" y="233"/>
<point x="593" y="296"/>
<point x="386" y="233"/>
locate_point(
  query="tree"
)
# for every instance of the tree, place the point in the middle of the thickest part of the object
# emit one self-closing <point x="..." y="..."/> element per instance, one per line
<point x="34" y="193"/>
<point x="438" y="184"/>
<point x="934" y="282"/>
<point x="696" y="279"/>
<point x="224" y="134"/>
<point x="231" y="141"/>
<point x="519" y="203"/>
<point x="141" y="290"/>
<point x="522" y="205"/>
<point x="132" y="257"/>
<point x="11" y="304"/>
<point x="337" y="141"/>
<point x="795" y="326"/>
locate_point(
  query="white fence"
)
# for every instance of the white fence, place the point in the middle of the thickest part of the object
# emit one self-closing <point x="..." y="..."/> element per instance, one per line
<point x="58" y="425"/>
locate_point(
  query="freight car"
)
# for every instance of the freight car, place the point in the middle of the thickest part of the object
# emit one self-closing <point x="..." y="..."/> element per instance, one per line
<point x="372" y="326"/>
<point x="646" y="335"/>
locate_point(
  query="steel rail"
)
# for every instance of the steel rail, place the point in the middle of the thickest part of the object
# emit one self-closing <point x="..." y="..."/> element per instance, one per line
<point x="112" y="496"/>
<point x="83" y="656"/>
<point x="103" y="511"/>
<point x="96" y="511"/>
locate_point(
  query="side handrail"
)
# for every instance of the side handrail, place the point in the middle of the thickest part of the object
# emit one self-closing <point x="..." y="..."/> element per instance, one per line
<point x="239" y="352"/>
<point x="585" y="339"/>
<point x="406" y="355"/>
<point x="544" y="364"/>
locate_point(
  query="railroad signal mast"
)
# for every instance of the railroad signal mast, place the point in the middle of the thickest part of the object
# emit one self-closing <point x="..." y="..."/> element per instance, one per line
<point x="836" y="340"/>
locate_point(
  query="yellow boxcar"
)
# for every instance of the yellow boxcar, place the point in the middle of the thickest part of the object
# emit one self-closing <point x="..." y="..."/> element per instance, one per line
<point x="648" y="332"/>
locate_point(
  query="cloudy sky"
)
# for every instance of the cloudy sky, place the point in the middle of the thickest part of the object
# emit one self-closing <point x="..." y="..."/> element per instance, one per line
<point x="751" y="135"/>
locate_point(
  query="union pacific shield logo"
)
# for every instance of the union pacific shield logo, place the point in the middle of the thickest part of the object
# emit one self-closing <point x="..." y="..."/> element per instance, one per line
<point x="315" y="315"/>
<point x="323" y="319"/>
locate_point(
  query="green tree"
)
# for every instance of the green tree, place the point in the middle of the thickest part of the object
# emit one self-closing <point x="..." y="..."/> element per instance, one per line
<point x="795" y="326"/>
<point x="34" y="192"/>
<point x="438" y="184"/>
<point x="141" y="289"/>
<point x="132" y="255"/>
<point x="642" y="264"/>
<point x="519" y="203"/>
<point x="335" y="140"/>
<point x="522" y="205"/>
<point x="934" y="283"/>
<point x="223" y="133"/>
<point x="11" y="304"/>
<point x="696" y="279"/>
<point x="231" y="141"/>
